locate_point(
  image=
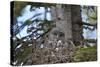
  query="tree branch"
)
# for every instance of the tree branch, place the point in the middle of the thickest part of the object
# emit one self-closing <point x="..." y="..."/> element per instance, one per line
<point x="88" y="24"/>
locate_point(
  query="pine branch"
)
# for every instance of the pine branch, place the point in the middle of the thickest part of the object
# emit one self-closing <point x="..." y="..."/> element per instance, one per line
<point x="88" y="24"/>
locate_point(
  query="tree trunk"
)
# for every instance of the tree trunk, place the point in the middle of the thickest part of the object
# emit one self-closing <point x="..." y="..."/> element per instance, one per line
<point x="77" y="26"/>
<point x="68" y="20"/>
<point x="62" y="17"/>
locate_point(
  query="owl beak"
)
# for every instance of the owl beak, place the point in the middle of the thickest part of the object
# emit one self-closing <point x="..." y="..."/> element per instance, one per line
<point x="57" y="36"/>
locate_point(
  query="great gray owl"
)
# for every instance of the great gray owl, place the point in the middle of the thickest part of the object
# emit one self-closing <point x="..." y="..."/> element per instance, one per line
<point x="57" y="34"/>
<point x="57" y="38"/>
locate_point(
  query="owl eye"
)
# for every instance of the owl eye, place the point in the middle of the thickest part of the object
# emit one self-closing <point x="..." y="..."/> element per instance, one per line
<point x="55" y="33"/>
<point x="61" y="34"/>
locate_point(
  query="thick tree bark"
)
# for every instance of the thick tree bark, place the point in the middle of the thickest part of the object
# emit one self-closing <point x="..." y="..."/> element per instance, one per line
<point x="77" y="26"/>
<point x="62" y="18"/>
<point x="68" y="19"/>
